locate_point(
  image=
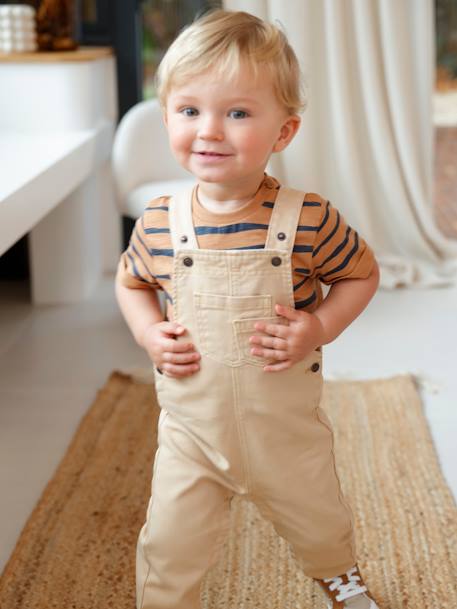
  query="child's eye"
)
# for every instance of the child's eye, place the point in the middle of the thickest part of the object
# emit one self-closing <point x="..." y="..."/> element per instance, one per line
<point x="189" y="111"/>
<point x="238" y="114"/>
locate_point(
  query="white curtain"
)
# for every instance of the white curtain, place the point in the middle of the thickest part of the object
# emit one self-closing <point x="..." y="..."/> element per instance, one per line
<point x="366" y="141"/>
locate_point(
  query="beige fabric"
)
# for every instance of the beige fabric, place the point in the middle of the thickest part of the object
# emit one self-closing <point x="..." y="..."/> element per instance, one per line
<point x="367" y="141"/>
<point x="234" y="429"/>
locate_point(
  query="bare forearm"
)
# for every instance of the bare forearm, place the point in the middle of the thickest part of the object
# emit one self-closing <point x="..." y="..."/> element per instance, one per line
<point x="344" y="302"/>
<point x="140" y="308"/>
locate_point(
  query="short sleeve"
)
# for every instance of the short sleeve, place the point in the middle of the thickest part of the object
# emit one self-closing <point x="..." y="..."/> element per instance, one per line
<point x="133" y="270"/>
<point x="339" y="252"/>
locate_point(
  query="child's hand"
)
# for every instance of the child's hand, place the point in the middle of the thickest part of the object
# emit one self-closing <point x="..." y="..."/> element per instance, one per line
<point x="173" y="358"/>
<point x="287" y="344"/>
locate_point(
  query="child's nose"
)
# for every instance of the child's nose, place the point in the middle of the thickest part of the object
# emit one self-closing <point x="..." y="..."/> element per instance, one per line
<point x="210" y="128"/>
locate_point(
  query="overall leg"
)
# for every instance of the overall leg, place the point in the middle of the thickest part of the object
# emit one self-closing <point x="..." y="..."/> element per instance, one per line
<point x="292" y="465"/>
<point x="303" y="499"/>
<point x="186" y="524"/>
<point x="294" y="480"/>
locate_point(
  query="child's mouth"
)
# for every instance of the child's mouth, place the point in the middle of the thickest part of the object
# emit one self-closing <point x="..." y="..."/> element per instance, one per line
<point x="212" y="156"/>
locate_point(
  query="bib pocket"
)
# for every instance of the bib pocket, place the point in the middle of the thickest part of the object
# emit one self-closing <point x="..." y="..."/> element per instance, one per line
<point x="215" y="315"/>
<point x="244" y="328"/>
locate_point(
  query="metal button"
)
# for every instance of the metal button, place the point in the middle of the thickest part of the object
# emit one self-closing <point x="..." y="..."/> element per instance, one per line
<point x="188" y="261"/>
<point x="184" y="239"/>
<point x="315" y="367"/>
<point x="276" y="261"/>
<point x="281" y="236"/>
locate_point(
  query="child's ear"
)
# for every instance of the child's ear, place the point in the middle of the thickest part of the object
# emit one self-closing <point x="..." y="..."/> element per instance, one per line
<point x="288" y="130"/>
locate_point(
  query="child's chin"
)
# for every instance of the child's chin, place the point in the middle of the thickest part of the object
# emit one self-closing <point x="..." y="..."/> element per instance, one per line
<point x="213" y="176"/>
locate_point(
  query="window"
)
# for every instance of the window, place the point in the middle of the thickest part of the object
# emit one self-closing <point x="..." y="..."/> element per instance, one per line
<point x="446" y="44"/>
<point x="162" y="21"/>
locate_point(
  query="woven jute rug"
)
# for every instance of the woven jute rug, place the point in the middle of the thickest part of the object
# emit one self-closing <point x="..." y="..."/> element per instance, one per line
<point x="77" y="550"/>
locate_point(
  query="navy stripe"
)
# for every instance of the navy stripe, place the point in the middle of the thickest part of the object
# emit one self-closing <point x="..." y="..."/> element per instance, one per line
<point x="337" y="249"/>
<point x="303" y="227"/>
<point x="247" y="247"/>
<point x="135" y="270"/>
<point x="155" y="231"/>
<point x="326" y="216"/>
<point x="138" y="236"/>
<point x="302" y="271"/>
<point x="329" y="236"/>
<point x="167" y="276"/>
<point x="305" y="204"/>
<point x="159" y="207"/>
<point x="346" y="260"/>
<point x="300" y="283"/>
<point x="301" y="304"/>
<point x="160" y="252"/>
<point x="302" y="248"/>
<point x="144" y="264"/>
<point x="229" y="228"/>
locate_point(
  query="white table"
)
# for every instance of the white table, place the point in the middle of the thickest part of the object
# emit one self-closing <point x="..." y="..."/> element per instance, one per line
<point x="57" y="121"/>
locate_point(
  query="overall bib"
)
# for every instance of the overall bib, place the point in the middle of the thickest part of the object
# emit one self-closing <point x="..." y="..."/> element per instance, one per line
<point x="233" y="428"/>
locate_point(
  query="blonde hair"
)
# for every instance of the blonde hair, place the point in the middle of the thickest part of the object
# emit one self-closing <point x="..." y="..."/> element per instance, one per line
<point x="223" y="40"/>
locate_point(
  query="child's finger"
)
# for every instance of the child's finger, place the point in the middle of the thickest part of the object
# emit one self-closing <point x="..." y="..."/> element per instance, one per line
<point x="169" y="344"/>
<point x="272" y="342"/>
<point x="289" y="313"/>
<point x="180" y="358"/>
<point x="271" y="354"/>
<point x="278" y="367"/>
<point x="171" y="327"/>
<point x="279" y="330"/>
<point x="179" y="370"/>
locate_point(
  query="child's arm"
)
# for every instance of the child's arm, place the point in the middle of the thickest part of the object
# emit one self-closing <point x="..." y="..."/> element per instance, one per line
<point x="141" y="310"/>
<point x="344" y="302"/>
<point x="287" y="345"/>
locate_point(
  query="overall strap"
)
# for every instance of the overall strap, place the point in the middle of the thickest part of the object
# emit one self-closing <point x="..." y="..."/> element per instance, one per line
<point x="284" y="219"/>
<point x="182" y="230"/>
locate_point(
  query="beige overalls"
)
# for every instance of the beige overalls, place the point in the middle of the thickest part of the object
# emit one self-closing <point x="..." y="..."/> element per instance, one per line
<point x="233" y="428"/>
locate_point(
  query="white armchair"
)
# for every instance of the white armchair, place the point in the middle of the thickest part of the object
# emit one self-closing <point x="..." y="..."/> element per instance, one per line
<point x="143" y="165"/>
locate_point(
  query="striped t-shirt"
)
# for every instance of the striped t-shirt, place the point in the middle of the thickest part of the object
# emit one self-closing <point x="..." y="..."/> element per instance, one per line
<point x="326" y="248"/>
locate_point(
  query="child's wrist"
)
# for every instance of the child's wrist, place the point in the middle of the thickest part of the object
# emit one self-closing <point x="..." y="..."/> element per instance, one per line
<point x="323" y="336"/>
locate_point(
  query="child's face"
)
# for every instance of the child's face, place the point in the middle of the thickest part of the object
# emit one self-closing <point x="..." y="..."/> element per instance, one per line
<point x="225" y="131"/>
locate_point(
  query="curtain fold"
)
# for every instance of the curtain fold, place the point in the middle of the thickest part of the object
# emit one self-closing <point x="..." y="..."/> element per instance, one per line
<point x="367" y="138"/>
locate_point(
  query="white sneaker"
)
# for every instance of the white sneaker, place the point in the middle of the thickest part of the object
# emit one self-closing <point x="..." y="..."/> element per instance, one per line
<point x="347" y="591"/>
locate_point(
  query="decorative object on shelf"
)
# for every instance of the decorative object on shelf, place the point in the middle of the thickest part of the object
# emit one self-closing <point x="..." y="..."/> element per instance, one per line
<point x="17" y="28"/>
<point x="57" y="25"/>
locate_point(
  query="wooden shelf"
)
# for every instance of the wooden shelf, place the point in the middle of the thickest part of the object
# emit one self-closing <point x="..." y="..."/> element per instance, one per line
<point x="81" y="54"/>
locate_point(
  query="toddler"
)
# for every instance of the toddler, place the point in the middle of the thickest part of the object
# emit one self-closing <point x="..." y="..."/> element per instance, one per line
<point x="238" y="357"/>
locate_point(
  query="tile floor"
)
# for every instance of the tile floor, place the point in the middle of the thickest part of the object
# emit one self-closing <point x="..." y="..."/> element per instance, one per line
<point x="53" y="360"/>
